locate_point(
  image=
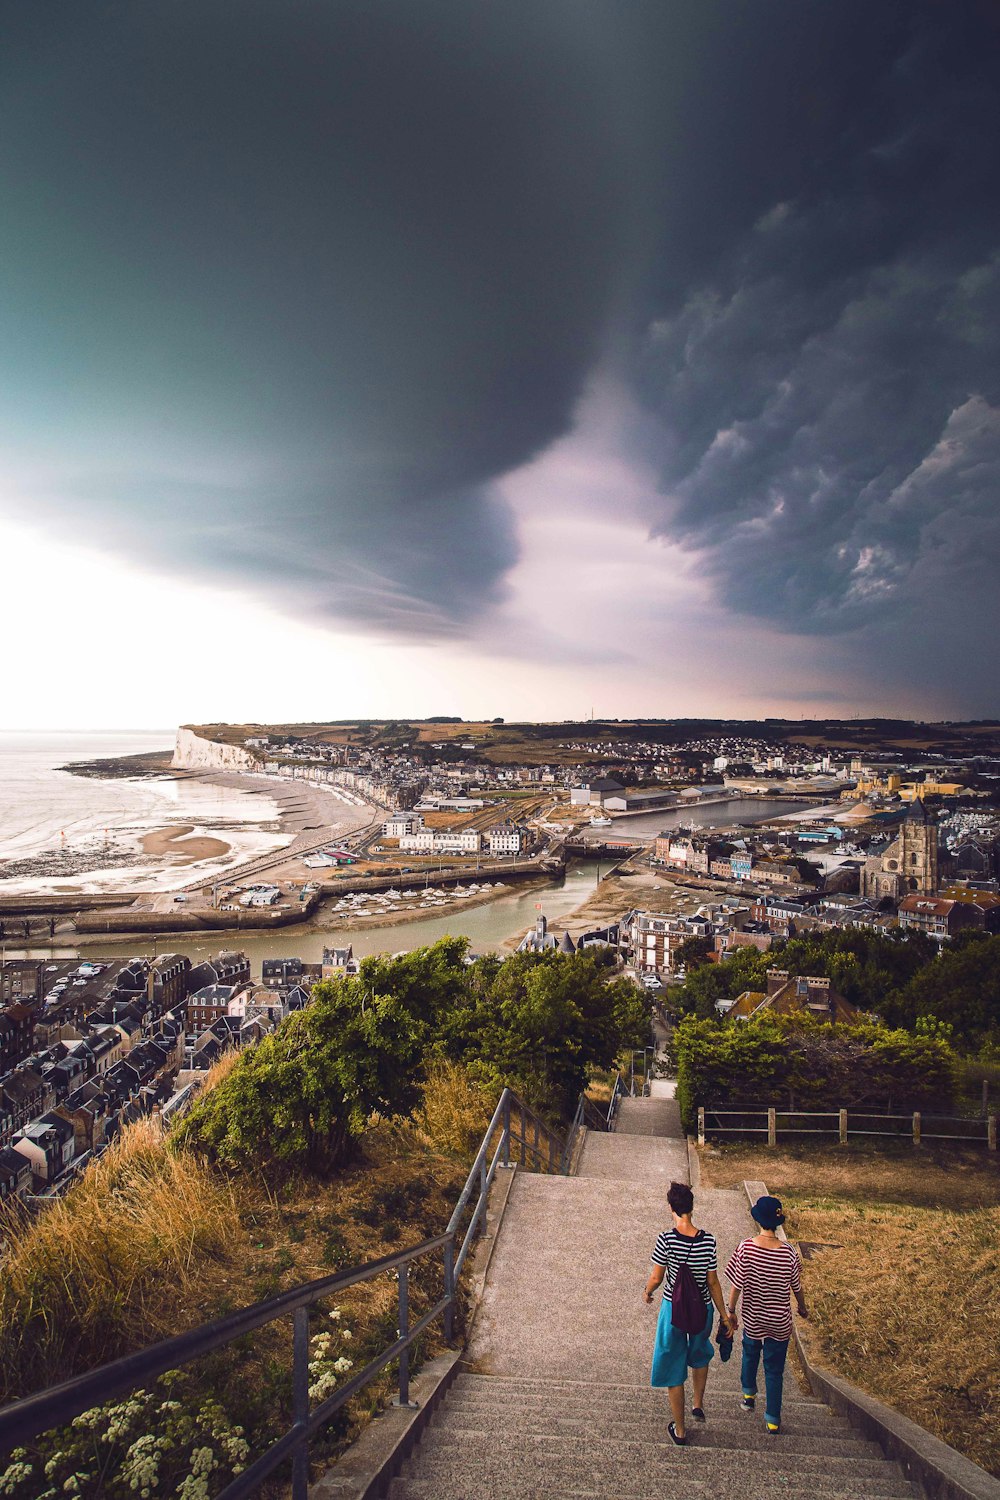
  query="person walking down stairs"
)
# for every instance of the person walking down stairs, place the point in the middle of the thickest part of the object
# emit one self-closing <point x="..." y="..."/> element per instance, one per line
<point x="765" y="1271"/>
<point x="686" y="1259"/>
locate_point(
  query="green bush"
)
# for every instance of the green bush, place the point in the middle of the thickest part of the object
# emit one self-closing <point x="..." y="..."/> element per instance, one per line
<point x="797" y="1063"/>
<point x="304" y="1095"/>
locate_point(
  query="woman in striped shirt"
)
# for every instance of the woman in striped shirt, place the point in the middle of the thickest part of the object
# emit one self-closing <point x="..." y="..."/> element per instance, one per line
<point x="765" y="1270"/>
<point x="674" y="1351"/>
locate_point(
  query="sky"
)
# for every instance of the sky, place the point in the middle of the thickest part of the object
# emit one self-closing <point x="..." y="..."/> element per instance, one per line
<point x="538" y="359"/>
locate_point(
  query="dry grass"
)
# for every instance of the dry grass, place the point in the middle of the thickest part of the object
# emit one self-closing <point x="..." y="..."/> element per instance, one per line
<point x="128" y="1256"/>
<point x="903" y="1301"/>
<point x="925" y="1178"/>
<point x="454" y="1113"/>
<point x="907" y="1309"/>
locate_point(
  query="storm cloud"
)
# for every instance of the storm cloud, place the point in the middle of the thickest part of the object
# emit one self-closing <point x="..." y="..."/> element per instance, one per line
<point x="828" y="395"/>
<point x="286" y="285"/>
<point x="289" y="288"/>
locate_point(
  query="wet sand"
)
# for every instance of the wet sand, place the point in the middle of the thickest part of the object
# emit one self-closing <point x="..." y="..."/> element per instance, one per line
<point x="174" y="842"/>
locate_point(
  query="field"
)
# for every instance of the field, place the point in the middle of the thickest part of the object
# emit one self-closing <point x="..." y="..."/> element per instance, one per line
<point x="901" y="1256"/>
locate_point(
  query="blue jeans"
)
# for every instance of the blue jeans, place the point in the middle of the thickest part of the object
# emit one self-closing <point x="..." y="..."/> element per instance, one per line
<point x="774" y="1351"/>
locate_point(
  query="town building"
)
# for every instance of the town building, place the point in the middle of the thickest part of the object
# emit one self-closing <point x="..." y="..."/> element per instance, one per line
<point x="939" y="916"/>
<point x="908" y="863"/>
<point x="402" y="823"/>
<point x="788" y="995"/>
<point x="442" y="841"/>
<point x="506" y="838"/>
<point x="593" y="793"/>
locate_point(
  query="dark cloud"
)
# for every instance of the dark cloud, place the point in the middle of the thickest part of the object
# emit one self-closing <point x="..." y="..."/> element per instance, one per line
<point x="827" y="386"/>
<point x="287" y="284"/>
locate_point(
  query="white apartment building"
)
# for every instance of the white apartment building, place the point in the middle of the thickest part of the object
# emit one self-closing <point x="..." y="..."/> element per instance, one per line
<point x="506" y="840"/>
<point x="400" y="824"/>
<point x="442" y="841"/>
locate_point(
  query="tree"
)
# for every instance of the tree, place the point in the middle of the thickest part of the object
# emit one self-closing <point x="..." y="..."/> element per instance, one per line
<point x="305" y="1093"/>
<point x="961" y="988"/>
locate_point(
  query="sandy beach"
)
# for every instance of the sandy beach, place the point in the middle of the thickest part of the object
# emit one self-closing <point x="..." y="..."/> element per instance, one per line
<point x="174" y="843"/>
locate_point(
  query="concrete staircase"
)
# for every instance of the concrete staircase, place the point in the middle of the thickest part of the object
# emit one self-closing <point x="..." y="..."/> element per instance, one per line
<point x="555" y="1401"/>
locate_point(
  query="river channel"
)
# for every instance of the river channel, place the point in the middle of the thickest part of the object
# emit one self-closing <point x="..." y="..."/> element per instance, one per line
<point x="486" y="926"/>
<point x="715" y="815"/>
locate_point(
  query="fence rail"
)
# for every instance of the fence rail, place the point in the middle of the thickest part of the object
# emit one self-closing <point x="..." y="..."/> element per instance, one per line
<point x="846" y="1124"/>
<point x="515" y="1130"/>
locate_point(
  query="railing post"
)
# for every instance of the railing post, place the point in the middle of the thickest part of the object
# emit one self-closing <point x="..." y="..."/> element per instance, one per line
<point x="403" y="1281"/>
<point x="916" y="1127"/>
<point x="701" y="1124"/>
<point x="536" y="1158"/>
<point x="772" y="1126"/>
<point x="506" y="1131"/>
<point x="991" y="1132"/>
<point x="524" y="1132"/>
<point x="300" y="1401"/>
<point x="843" y="1127"/>
<point x="449" y="1290"/>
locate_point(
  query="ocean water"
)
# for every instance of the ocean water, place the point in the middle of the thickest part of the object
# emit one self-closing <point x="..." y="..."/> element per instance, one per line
<point x="92" y="826"/>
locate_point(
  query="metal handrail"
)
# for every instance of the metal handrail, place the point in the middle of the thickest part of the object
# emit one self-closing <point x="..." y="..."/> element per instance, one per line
<point x="22" y="1420"/>
<point x="617" y="1094"/>
<point x="587" y="1116"/>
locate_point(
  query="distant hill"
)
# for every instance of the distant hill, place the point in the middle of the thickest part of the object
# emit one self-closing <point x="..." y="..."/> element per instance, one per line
<point x="529" y="743"/>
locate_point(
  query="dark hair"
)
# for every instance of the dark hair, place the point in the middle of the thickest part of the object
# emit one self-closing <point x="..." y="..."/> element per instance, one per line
<point x="680" y="1198"/>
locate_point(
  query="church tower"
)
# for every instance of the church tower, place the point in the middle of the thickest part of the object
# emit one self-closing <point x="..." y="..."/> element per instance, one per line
<point x="918" y="850"/>
<point x="910" y="863"/>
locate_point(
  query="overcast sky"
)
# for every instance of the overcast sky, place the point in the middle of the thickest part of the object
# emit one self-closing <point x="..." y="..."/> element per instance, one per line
<point x="416" y="356"/>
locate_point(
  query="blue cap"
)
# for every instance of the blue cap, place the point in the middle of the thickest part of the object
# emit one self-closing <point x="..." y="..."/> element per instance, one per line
<point x="767" y="1212"/>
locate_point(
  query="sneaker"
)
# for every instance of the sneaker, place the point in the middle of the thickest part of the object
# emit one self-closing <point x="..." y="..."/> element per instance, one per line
<point x="748" y="1402"/>
<point x="679" y="1442"/>
<point x="772" y="1427"/>
<point x="698" y="1412"/>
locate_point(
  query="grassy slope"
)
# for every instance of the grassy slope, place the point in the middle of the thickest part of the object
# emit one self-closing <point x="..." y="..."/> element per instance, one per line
<point x="904" y="1300"/>
<point x="151" y="1242"/>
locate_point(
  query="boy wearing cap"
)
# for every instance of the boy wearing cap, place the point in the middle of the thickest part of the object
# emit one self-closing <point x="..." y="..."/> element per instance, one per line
<point x="765" y="1271"/>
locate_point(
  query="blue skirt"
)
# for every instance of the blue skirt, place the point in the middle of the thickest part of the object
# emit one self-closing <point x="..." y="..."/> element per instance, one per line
<point x="674" y="1352"/>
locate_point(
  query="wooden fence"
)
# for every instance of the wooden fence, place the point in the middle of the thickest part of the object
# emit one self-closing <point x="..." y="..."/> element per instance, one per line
<point x="845" y="1125"/>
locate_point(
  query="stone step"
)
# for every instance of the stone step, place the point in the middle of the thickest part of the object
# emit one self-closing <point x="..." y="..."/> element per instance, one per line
<point x="734" y="1486"/>
<point x="647" y="1159"/>
<point x="485" y="1470"/>
<point x="649" y="1117"/>
<point x="568" y="1396"/>
<point x="621" y="1422"/>
<point x="453" y="1433"/>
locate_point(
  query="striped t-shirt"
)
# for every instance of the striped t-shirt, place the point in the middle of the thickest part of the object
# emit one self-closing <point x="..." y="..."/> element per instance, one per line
<point x="766" y="1278"/>
<point x="673" y="1250"/>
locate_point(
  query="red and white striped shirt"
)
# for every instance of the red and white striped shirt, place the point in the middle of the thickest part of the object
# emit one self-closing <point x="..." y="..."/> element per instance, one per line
<point x="766" y="1278"/>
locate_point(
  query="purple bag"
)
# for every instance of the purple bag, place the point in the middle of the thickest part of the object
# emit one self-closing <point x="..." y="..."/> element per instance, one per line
<point x="687" y="1307"/>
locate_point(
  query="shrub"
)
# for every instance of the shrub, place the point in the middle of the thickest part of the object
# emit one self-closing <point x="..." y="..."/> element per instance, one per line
<point x="304" y="1095"/>
<point x="147" y="1442"/>
<point x="799" y="1063"/>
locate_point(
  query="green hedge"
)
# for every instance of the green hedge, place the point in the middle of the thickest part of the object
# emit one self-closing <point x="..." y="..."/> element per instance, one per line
<point x="798" y="1063"/>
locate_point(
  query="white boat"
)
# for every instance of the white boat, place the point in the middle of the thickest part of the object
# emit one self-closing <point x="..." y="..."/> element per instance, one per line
<point x="600" y="822"/>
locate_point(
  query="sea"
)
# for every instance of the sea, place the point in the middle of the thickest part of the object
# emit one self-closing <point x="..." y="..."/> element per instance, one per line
<point x="81" y="834"/>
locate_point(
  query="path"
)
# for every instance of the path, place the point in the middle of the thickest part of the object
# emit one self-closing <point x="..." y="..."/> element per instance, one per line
<point x="557" y="1401"/>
